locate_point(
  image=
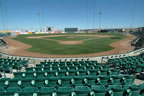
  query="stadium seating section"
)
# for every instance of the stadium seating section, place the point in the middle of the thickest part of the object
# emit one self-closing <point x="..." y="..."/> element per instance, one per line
<point x="7" y="64"/>
<point x="71" y="78"/>
<point x="134" y="64"/>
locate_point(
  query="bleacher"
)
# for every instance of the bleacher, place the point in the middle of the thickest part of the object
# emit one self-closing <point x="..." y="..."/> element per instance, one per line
<point x="8" y="64"/>
<point x="139" y="41"/>
<point x="70" y="78"/>
<point x="134" y="64"/>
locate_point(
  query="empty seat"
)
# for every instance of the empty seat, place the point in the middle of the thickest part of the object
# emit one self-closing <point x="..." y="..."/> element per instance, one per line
<point x="92" y="80"/>
<point x="83" y="91"/>
<point x="128" y="79"/>
<point x="40" y="82"/>
<point x="104" y="80"/>
<point x="99" y="90"/>
<point x="66" y="81"/>
<point x="18" y="74"/>
<point x="118" y="90"/>
<point x="114" y="72"/>
<point x="104" y="72"/>
<point x="47" y="91"/>
<point x="82" y="72"/>
<point x="53" y="82"/>
<point x="32" y="91"/>
<point x="79" y="80"/>
<point x="72" y="73"/>
<point x="11" y="91"/>
<point x="141" y="86"/>
<point x="116" y="80"/>
<point x="41" y="74"/>
<point x="62" y="73"/>
<point x="135" y="90"/>
<point x="16" y="82"/>
<point x="4" y="82"/>
<point x="51" y="73"/>
<point x="28" y="83"/>
<point x="2" y="91"/>
<point x="65" y="91"/>
<point x="94" y="72"/>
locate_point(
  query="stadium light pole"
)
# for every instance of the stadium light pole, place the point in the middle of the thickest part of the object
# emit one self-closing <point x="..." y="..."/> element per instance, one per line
<point x="100" y="15"/>
<point x="39" y="20"/>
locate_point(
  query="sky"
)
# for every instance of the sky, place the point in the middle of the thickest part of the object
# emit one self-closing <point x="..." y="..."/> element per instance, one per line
<point x="35" y="14"/>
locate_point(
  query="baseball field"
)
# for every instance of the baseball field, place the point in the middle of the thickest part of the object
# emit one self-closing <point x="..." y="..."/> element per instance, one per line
<point x="70" y="44"/>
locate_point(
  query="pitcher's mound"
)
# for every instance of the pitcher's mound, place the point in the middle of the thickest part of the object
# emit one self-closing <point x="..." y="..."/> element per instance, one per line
<point x="70" y="42"/>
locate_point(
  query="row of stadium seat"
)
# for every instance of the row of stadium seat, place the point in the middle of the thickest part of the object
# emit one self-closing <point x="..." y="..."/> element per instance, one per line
<point x="48" y="73"/>
<point x="66" y="62"/>
<point x="66" y="65"/>
<point x="66" y="68"/>
<point x="15" y="58"/>
<point x="111" y="90"/>
<point x="67" y="81"/>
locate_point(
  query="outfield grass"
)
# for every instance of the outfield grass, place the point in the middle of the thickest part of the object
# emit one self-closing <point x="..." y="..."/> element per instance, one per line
<point x="47" y="46"/>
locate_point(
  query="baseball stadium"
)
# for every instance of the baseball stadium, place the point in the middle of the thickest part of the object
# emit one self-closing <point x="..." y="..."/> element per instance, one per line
<point x="95" y="60"/>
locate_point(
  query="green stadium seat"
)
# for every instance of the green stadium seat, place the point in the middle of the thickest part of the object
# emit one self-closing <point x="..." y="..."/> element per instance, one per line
<point x="53" y="82"/>
<point x="79" y="80"/>
<point x="19" y="74"/>
<point x="83" y="91"/>
<point x="62" y="73"/>
<point x="11" y="91"/>
<point x="30" y="69"/>
<point x="128" y="79"/>
<point x="72" y="68"/>
<point x="2" y="91"/>
<point x="66" y="81"/>
<point x="104" y="80"/>
<point x="82" y="72"/>
<point x="65" y="91"/>
<point x="94" y="72"/>
<point x="141" y="86"/>
<point x="47" y="91"/>
<point x="105" y="67"/>
<point x="81" y="68"/>
<point x="99" y="90"/>
<point x="135" y="90"/>
<point x="40" y="82"/>
<point x="114" y="72"/>
<point x="72" y="73"/>
<point x="104" y="72"/>
<point x="16" y="82"/>
<point x="51" y="73"/>
<point x="32" y="75"/>
<point x="29" y="91"/>
<point x="28" y="83"/>
<point x="4" y="82"/>
<point x="118" y="90"/>
<point x="92" y="80"/>
<point x="63" y="68"/>
<point x="116" y="80"/>
<point x="41" y="74"/>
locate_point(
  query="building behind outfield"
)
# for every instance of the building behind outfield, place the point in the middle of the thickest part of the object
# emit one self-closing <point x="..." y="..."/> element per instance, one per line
<point x="71" y="30"/>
